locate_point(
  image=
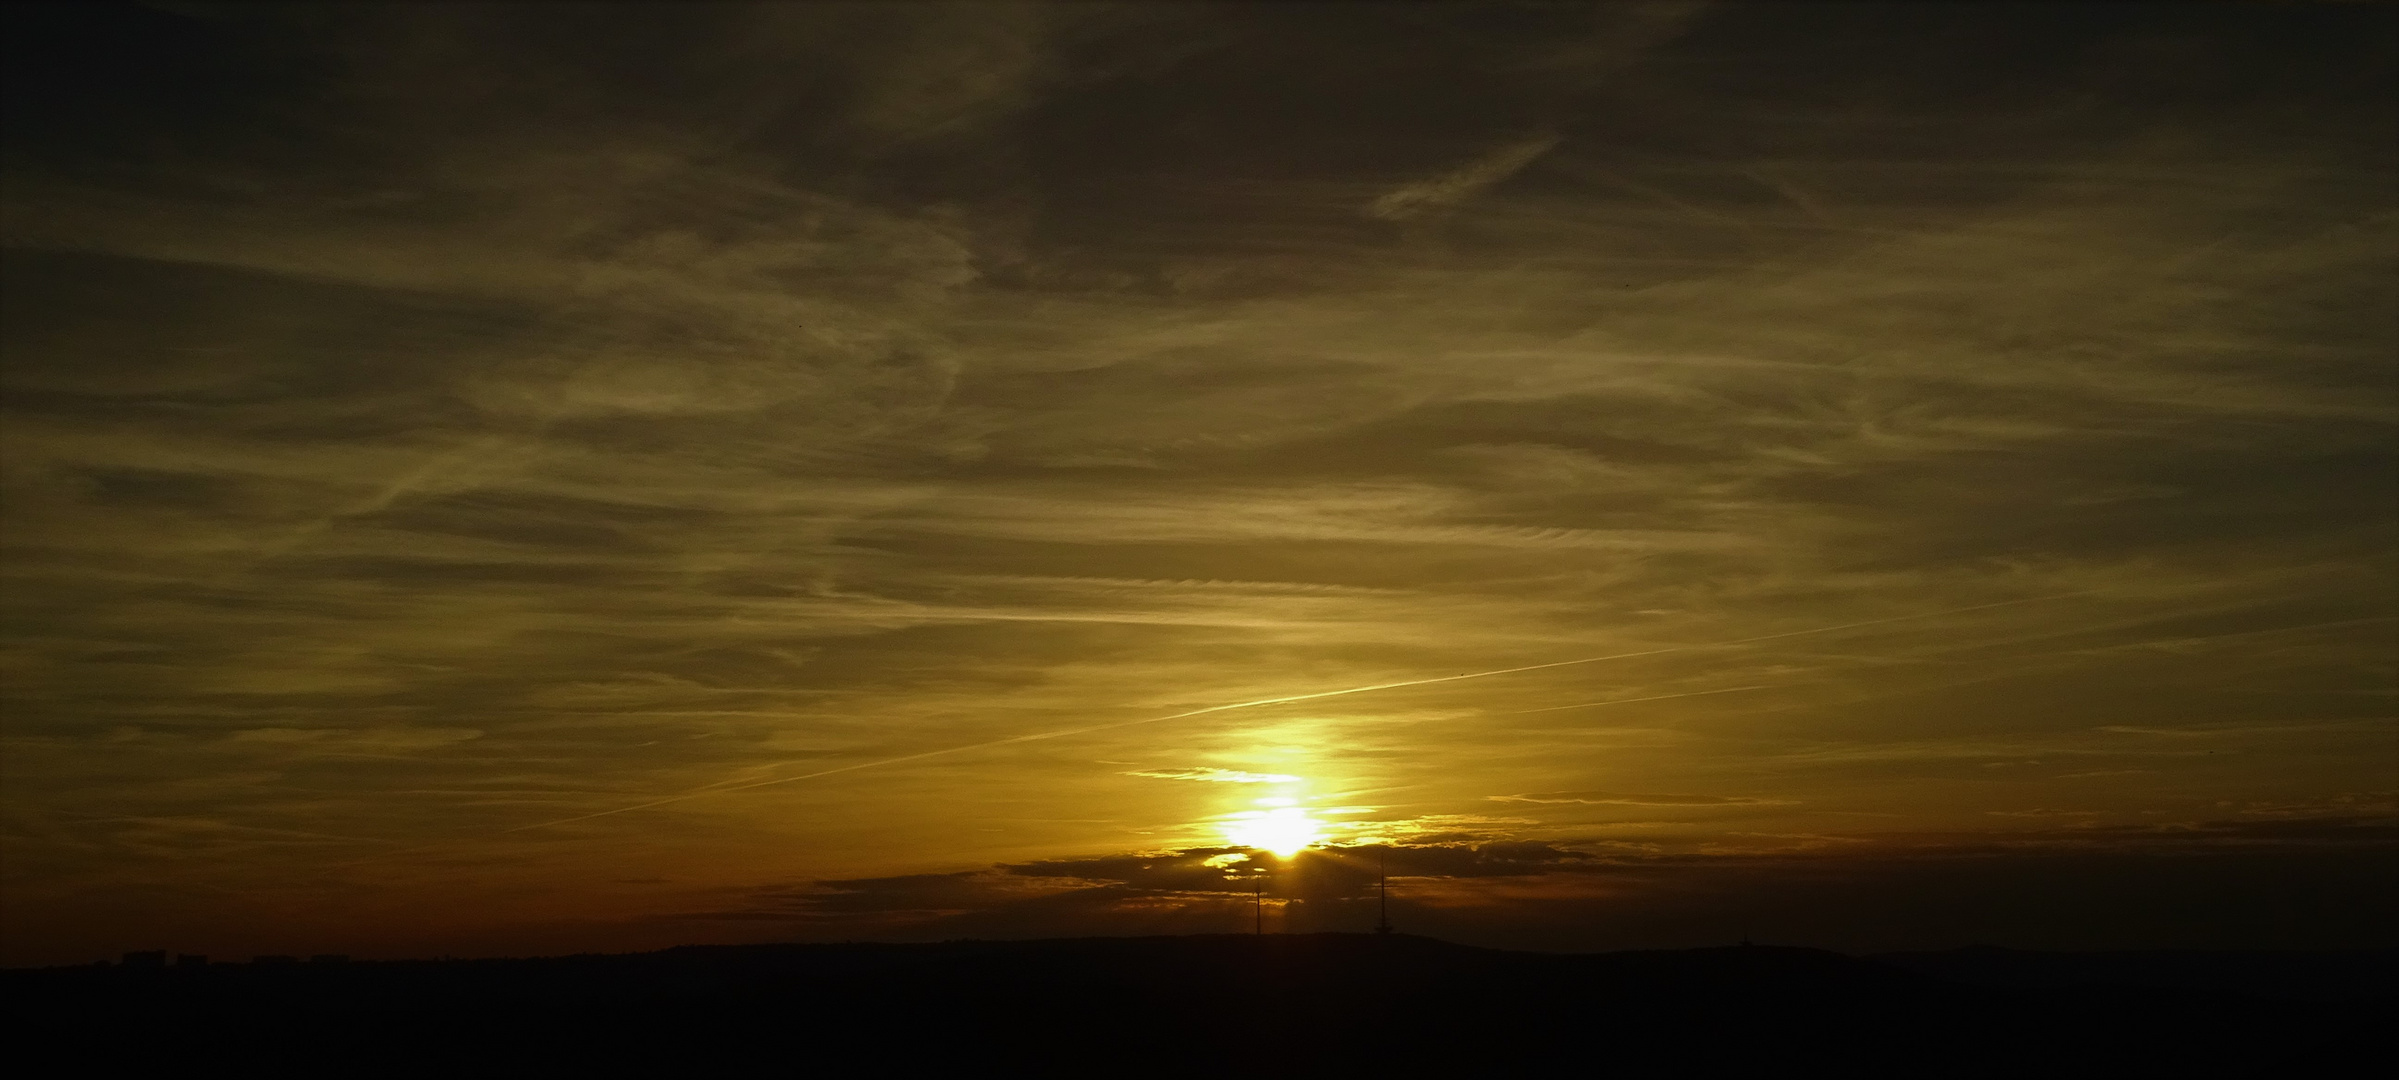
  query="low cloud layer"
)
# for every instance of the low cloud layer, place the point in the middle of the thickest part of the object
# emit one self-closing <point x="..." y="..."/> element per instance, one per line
<point x="1513" y="893"/>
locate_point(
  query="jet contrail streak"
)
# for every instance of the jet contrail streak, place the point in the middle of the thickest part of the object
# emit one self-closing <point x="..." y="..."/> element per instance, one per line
<point x="1631" y="700"/>
<point x="724" y="788"/>
<point x="718" y="789"/>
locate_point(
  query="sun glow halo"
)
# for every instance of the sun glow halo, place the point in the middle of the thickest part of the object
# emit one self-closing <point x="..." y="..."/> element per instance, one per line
<point x="1283" y="830"/>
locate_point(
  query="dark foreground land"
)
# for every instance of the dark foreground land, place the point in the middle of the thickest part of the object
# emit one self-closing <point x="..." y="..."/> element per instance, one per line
<point x="1232" y="1005"/>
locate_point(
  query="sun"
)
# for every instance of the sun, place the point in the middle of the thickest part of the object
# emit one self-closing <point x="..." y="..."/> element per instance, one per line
<point x="1284" y="830"/>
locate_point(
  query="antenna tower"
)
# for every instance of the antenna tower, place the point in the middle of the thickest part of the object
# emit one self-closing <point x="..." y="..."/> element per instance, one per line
<point x="1382" y="922"/>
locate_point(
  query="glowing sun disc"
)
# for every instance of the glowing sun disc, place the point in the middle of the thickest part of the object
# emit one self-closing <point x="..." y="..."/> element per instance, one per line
<point x="1283" y="831"/>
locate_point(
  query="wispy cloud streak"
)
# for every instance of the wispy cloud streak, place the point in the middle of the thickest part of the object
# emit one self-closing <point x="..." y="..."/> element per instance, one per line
<point x="730" y="788"/>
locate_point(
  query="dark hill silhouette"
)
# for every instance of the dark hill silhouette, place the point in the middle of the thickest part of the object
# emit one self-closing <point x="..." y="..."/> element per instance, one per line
<point x="2300" y="976"/>
<point x="1208" y="1005"/>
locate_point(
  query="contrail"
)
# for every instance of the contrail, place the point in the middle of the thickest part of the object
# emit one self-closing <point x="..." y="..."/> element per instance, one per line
<point x="723" y="788"/>
<point x="718" y="789"/>
<point x="1631" y="700"/>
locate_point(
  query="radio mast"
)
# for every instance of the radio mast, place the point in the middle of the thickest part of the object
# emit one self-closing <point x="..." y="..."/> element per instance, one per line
<point x="1382" y="873"/>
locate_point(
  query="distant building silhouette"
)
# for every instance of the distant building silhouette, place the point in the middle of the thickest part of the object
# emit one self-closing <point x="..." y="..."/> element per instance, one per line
<point x="152" y="958"/>
<point x="190" y="960"/>
<point x="275" y="959"/>
<point x="329" y="958"/>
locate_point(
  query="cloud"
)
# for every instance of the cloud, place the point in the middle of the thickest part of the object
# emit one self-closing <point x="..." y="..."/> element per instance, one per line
<point x="1617" y="797"/>
<point x="1831" y="887"/>
<point x="374" y="740"/>
<point x="1197" y="876"/>
<point x="1220" y="776"/>
<point x="423" y="421"/>
<point x="1462" y="183"/>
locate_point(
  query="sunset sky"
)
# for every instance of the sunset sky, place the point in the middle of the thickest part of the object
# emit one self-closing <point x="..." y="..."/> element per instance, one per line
<point x="507" y="480"/>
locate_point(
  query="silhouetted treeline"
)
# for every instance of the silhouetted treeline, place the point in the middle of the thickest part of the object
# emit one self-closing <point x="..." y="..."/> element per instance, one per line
<point x="1231" y="1005"/>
